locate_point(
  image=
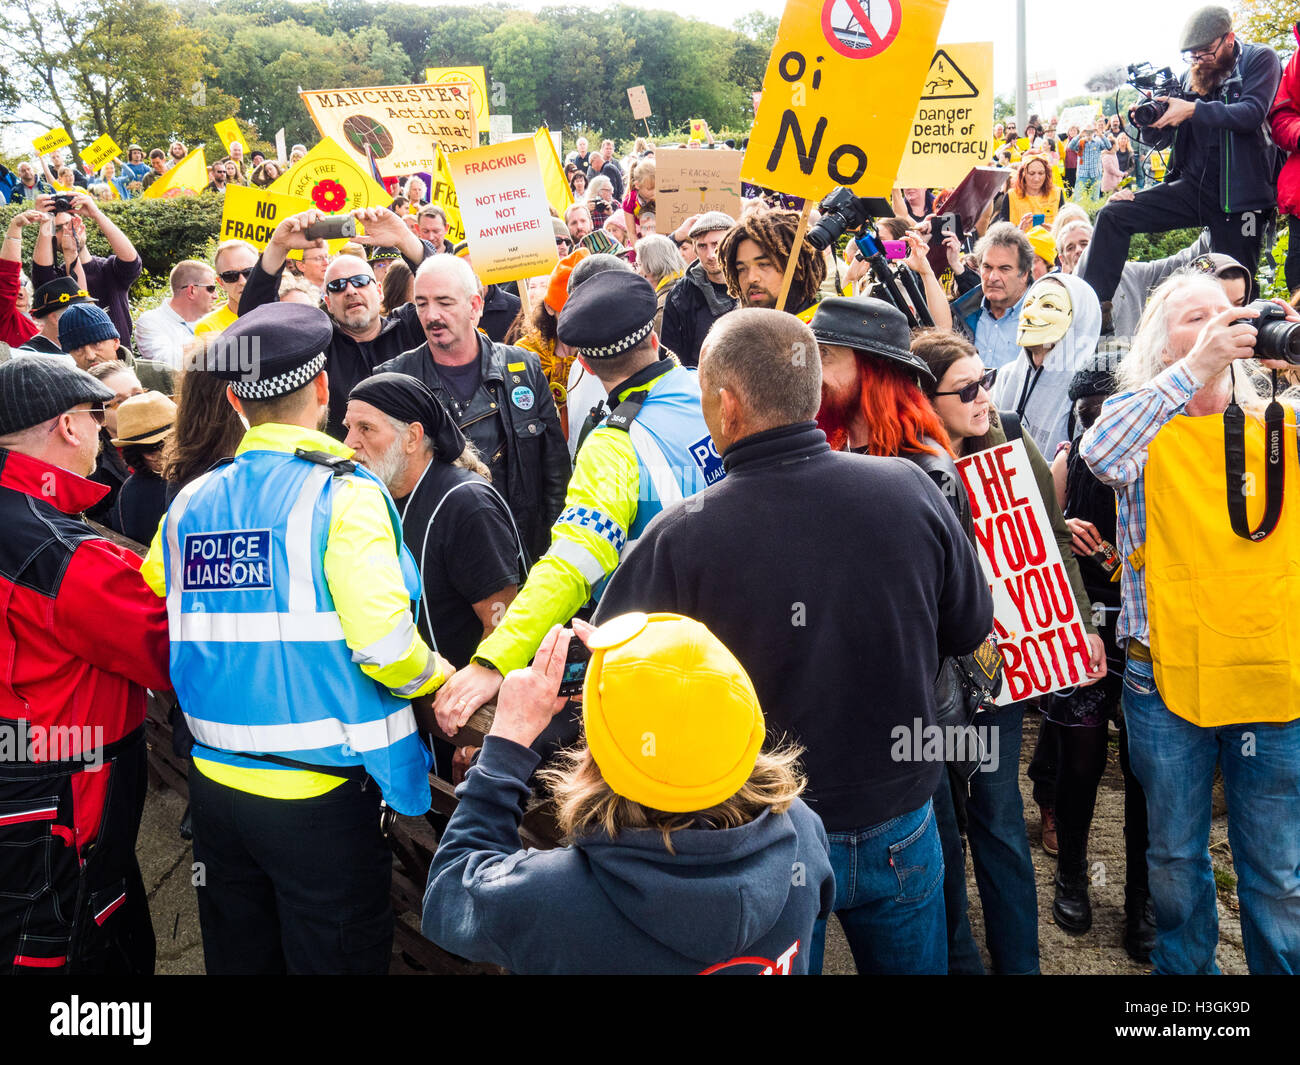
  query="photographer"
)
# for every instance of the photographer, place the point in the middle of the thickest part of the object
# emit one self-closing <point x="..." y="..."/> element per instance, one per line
<point x="1193" y="593"/>
<point x="1222" y="175"/>
<point x="108" y="278"/>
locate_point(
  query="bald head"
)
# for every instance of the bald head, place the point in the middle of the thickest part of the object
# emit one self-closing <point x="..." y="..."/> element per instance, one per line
<point x="759" y="369"/>
<point x="356" y="309"/>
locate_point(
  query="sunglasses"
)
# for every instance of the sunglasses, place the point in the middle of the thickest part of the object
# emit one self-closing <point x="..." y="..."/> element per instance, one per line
<point x="96" y="411"/>
<point x="213" y="288"/>
<point x="972" y="390"/>
<point x="356" y="281"/>
<point x="231" y="276"/>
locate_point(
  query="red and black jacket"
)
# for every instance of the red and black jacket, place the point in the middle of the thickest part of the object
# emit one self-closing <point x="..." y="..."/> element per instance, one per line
<point x="81" y="633"/>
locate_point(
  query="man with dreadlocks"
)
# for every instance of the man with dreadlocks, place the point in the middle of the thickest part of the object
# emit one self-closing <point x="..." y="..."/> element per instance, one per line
<point x="754" y="256"/>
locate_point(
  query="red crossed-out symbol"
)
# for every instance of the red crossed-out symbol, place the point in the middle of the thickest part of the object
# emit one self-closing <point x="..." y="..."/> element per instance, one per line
<point x="849" y="30"/>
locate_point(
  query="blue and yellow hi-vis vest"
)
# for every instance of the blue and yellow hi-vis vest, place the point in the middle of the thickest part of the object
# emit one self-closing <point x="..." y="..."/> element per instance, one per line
<point x="258" y="656"/>
<point x="675" y="454"/>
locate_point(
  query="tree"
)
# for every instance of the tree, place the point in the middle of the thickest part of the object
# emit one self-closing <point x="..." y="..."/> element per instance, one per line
<point x="1268" y="22"/>
<point x="759" y="27"/>
<point x="128" y="68"/>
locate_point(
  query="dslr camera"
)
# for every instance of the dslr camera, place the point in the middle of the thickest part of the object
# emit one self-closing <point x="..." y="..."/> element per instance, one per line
<point x="1275" y="338"/>
<point x="841" y="211"/>
<point x="62" y="203"/>
<point x="1152" y="83"/>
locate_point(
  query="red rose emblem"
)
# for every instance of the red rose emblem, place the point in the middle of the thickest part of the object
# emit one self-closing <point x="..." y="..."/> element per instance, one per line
<point x="329" y="195"/>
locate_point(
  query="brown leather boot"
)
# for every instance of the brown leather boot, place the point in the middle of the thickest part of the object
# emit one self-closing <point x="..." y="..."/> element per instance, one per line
<point x="1048" y="817"/>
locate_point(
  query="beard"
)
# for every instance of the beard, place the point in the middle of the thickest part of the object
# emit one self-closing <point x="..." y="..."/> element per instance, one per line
<point x="839" y="405"/>
<point x="389" y="465"/>
<point x="1206" y="79"/>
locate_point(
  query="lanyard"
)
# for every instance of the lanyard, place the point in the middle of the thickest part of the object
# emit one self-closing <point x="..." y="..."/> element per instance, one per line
<point x="1031" y="382"/>
<point x="1234" y="449"/>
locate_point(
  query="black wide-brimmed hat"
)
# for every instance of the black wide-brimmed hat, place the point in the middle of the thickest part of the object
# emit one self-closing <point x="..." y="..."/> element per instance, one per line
<point x="866" y="324"/>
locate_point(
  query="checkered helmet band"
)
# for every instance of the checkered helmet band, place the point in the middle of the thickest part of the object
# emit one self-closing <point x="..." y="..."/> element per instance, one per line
<point x="281" y="385"/>
<point x="619" y="346"/>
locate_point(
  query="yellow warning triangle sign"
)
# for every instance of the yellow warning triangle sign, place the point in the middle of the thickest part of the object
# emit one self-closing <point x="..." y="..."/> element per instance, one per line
<point x="945" y="80"/>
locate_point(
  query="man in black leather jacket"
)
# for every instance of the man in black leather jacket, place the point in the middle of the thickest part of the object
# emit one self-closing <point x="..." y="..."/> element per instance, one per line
<point x="497" y="394"/>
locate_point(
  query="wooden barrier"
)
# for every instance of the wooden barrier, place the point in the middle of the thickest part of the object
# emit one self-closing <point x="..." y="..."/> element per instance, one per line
<point x="413" y="839"/>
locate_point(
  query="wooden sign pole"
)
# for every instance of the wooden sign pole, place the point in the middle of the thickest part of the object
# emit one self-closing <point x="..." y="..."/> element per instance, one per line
<point x="795" y="248"/>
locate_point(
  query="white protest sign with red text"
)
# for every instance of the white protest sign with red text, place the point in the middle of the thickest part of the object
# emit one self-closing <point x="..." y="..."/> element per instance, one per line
<point x="503" y="204"/>
<point x="1035" y="617"/>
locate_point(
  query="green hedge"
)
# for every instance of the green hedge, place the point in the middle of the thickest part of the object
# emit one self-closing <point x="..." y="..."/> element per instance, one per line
<point x="163" y="232"/>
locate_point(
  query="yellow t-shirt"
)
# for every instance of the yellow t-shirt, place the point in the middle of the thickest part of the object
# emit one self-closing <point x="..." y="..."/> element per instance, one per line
<point x="216" y="321"/>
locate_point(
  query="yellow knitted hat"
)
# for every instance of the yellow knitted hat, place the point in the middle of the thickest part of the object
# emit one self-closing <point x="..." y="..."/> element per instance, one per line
<point x="671" y="717"/>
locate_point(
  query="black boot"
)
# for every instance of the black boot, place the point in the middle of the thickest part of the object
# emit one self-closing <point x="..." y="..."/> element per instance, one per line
<point x="187" y="825"/>
<point x="1139" y="926"/>
<point x="1071" y="909"/>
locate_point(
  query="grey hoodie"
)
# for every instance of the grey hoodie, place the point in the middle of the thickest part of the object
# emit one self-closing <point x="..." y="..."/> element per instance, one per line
<point x="740" y="900"/>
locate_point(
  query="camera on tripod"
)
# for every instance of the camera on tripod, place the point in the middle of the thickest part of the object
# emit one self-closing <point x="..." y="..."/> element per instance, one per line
<point x="1152" y="82"/>
<point x="841" y="212"/>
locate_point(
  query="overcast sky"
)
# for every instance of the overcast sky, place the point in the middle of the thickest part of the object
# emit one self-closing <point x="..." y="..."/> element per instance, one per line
<point x="1092" y="35"/>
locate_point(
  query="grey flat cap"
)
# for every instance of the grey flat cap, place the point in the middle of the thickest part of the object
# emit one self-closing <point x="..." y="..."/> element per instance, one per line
<point x="1206" y="25"/>
<point x="709" y="222"/>
<point x="36" y="388"/>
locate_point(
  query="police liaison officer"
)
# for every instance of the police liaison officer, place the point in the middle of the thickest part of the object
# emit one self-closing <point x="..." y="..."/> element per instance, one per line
<point x="652" y="450"/>
<point x="294" y="653"/>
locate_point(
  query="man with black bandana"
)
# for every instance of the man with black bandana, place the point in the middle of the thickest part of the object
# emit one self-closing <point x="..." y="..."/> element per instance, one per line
<point x="459" y="529"/>
<point x="1222" y="172"/>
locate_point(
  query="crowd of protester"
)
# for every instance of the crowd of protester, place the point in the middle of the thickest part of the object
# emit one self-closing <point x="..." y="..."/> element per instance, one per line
<point x="531" y="453"/>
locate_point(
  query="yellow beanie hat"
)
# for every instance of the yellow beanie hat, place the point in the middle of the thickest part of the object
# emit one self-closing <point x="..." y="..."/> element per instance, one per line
<point x="1043" y="243"/>
<point x="672" y="719"/>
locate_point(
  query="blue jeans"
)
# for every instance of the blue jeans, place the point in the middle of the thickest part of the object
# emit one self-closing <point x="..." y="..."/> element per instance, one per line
<point x="1174" y="760"/>
<point x="1004" y="870"/>
<point x="888" y="898"/>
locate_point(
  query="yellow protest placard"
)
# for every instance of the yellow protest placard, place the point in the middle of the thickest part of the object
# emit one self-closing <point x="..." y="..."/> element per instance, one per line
<point x="396" y="125"/>
<point x="503" y="203"/>
<point x="443" y="193"/>
<point x="476" y="76"/>
<point x="839" y="95"/>
<point x="228" y="133"/>
<point x="252" y="214"/>
<point x="99" y="152"/>
<point x="332" y="181"/>
<point x="952" y="129"/>
<point x="699" y="129"/>
<point x="187" y="178"/>
<point x="48" y="142"/>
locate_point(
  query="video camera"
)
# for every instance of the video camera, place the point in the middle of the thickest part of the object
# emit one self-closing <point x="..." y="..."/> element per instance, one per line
<point x="843" y="212"/>
<point x="1152" y="83"/>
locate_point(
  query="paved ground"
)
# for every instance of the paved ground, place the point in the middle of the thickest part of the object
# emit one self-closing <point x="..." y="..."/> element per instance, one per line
<point x="166" y="861"/>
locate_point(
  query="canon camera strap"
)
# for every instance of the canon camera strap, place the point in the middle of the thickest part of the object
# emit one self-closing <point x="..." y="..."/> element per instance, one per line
<point x="1234" y="448"/>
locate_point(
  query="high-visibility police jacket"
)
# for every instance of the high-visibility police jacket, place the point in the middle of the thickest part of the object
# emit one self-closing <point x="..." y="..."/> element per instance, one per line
<point x="290" y="621"/>
<point x="621" y="480"/>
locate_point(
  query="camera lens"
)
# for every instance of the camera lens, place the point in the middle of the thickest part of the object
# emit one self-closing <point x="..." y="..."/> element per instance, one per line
<point x="1279" y="340"/>
<point x="826" y="232"/>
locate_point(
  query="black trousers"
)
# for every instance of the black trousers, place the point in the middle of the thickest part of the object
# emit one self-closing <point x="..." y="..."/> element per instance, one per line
<point x="58" y="915"/>
<point x="292" y="885"/>
<point x="1187" y="202"/>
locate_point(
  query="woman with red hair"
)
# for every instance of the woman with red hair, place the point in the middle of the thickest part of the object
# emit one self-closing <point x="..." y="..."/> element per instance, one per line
<point x="1033" y="192"/>
<point x="873" y="402"/>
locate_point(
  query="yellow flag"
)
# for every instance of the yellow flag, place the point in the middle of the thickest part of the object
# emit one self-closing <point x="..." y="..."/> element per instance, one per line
<point x="558" y="192"/>
<point x="443" y="193"/>
<point x="187" y="178"/>
<point x="228" y="131"/>
<point x="329" y="177"/>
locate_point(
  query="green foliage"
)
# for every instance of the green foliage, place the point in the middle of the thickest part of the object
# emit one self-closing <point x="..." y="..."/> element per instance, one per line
<point x="1280" y="287"/>
<point x="163" y="231"/>
<point x="1147" y="247"/>
<point x="1268" y="22"/>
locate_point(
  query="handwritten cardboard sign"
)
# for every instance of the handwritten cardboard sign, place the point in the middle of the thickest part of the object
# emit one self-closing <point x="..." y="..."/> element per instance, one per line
<point x="1035" y="616"/>
<point x="692" y="182"/>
